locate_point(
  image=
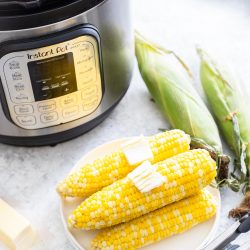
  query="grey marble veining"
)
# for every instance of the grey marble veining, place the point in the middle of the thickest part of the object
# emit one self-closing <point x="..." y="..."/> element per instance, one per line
<point x="28" y="176"/>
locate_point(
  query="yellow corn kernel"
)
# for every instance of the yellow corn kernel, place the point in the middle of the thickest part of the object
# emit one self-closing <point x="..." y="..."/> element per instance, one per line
<point x="103" y="172"/>
<point x="186" y="174"/>
<point x="155" y="226"/>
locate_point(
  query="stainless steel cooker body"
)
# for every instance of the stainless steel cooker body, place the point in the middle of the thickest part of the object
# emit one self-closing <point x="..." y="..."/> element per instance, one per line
<point x="37" y="106"/>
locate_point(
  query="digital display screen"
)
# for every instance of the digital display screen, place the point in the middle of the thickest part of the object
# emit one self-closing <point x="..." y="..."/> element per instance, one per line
<point x="53" y="77"/>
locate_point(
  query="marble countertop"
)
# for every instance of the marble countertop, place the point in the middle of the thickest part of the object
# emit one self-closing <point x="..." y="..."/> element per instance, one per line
<point x="29" y="175"/>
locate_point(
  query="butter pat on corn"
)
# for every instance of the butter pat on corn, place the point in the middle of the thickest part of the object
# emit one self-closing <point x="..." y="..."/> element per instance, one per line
<point x="146" y="178"/>
<point x="137" y="150"/>
<point x="15" y="231"/>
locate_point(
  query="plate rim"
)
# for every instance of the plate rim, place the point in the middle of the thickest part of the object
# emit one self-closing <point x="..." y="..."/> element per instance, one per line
<point x="76" y="244"/>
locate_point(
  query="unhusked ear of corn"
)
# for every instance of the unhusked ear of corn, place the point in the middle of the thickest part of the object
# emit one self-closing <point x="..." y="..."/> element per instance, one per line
<point x="155" y="226"/>
<point x="229" y="105"/>
<point x="103" y="172"/>
<point x="185" y="175"/>
<point x="169" y="82"/>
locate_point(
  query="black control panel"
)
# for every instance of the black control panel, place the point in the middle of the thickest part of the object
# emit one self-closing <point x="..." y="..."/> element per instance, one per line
<point x="53" y="77"/>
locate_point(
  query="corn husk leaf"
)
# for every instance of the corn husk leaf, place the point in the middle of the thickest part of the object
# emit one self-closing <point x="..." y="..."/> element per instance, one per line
<point x="230" y="110"/>
<point x="171" y="86"/>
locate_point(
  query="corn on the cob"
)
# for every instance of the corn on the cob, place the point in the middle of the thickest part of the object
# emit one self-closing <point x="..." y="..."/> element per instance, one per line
<point x="155" y="226"/>
<point x="103" y="172"/>
<point x="185" y="174"/>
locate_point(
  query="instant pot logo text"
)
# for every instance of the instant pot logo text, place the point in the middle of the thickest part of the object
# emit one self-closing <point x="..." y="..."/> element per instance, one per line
<point x="50" y="52"/>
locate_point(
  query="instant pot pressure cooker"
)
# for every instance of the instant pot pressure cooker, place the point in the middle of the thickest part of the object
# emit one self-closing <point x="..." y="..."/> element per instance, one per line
<point x="64" y="65"/>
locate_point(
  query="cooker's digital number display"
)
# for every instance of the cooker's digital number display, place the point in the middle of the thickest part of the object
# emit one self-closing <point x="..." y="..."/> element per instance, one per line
<point x="53" y="77"/>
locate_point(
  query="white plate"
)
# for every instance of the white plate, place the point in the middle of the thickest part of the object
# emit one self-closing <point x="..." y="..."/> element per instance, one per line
<point x="193" y="239"/>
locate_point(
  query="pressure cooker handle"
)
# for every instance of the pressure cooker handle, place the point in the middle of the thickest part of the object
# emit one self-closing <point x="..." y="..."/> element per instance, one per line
<point x="27" y="4"/>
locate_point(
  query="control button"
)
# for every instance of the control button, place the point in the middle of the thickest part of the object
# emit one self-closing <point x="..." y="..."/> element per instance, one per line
<point x="90" y="105"/>
<point x="55" y="85"/>
<point x="14" y="65"/>
<point x="87" y="72"/>
<point x="26" y="120"/>
<point x="85" y="48"/>
<point x="64" y="76"/>
<point x="47" y="94"/>
<point x="49" y="117"/>
<point x="19" y="87"/>
<point x="17" y="76"/>
<point x="64" y="83"/>
<point x="85" y="60"/>
<point x="46" y="106"/>
<point x="23" y="109"/>
<point x="69" y="100"/>
<point x="86" y="83"/>
<point x="70" y="111"/>
<point x="88" y="57"/>
<point x="90" y="99"/>
<point x="44" y="88"/>
<point x="43" y="81"/>
<point x="21" y="98"/>
<point x="87" y="92"/>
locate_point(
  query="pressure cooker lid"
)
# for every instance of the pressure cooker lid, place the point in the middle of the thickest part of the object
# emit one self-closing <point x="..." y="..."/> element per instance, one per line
<point x="19" y="4"/>
<point x="9" y="7"/>
<point x="14" y="13"/>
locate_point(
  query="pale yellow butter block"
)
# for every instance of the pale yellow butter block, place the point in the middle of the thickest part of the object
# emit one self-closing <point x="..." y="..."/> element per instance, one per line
<point x="137" y="150"/>
<point x="15" y="231"/>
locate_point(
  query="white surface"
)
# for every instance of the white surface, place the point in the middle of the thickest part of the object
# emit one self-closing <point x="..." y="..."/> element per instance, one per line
<point x="81" y="239"/>
<point x="28" y="176"/>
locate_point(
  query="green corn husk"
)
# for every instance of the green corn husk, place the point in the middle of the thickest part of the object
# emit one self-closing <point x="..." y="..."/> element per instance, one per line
<point x="231" y="112"/>
<point x="171" y="85"/>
